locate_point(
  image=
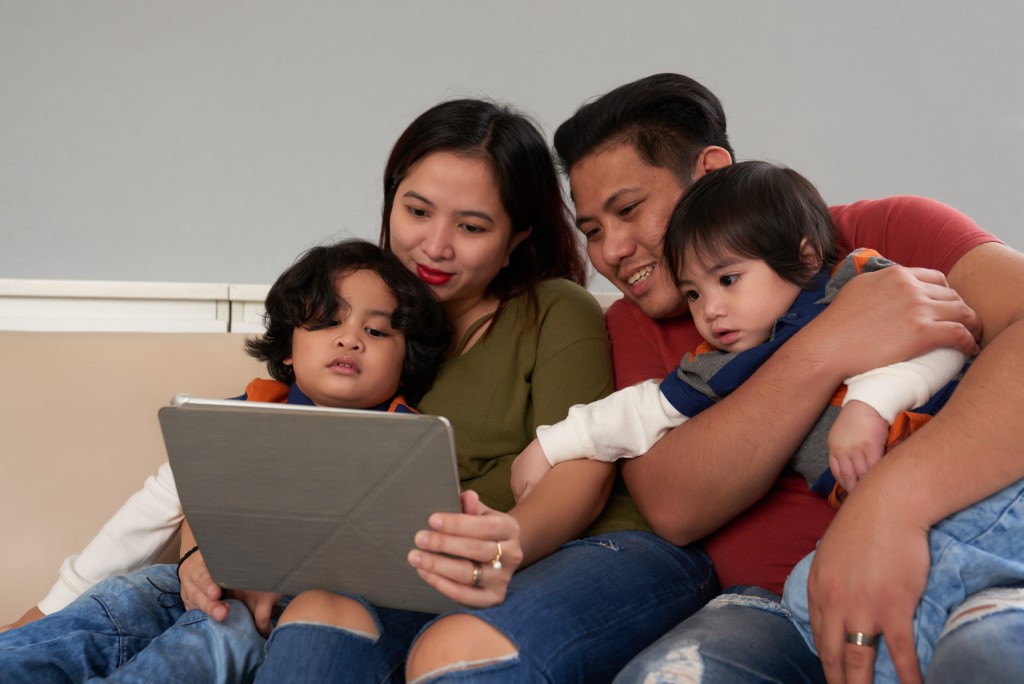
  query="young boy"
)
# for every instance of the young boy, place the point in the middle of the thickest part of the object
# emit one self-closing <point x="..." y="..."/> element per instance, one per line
<point x="751" y="245"/>
<point x="348" y="327"/>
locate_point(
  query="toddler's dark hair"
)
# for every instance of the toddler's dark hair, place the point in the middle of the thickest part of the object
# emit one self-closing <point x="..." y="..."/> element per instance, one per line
<point x="306" y="295"/>
<point x="755" y="210"/>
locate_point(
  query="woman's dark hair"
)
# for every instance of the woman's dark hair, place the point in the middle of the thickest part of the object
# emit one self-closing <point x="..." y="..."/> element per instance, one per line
<point x="669" y="119"/>
<point x="307" y="295"/>
<point x="527" y="184"/>
<point x="755" y="210"/>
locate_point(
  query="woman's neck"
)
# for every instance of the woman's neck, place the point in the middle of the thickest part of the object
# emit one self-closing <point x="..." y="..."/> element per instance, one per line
<point x="462" y="314"/>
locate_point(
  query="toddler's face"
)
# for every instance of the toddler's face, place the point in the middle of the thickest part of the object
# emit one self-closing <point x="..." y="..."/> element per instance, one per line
<point x="356" y="362"/>
<point x="734" y="300"/>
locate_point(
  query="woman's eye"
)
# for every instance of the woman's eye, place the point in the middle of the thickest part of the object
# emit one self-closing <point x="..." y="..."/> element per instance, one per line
<point x="417" y="212"/>
<point x="470" y="228"/>
<point x="628" y="209"/>
<point x="592" y="234"/>
<point x="728" y="280"/>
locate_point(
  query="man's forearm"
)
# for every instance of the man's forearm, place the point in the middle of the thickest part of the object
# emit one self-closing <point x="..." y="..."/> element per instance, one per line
<point x="711" y="468"/>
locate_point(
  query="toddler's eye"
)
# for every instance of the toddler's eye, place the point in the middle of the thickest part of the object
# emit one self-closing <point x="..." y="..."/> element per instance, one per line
<point x="728" y="280"/>
<point x="691" y="295"/>
<point x="373" y="332"/>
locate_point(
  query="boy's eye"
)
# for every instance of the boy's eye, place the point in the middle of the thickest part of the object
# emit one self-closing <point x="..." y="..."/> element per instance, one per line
<point x="691" y="295"/>
<point x="728" y="280"/>
<point x="373" y="332"/>
<point x="321" y="325"/>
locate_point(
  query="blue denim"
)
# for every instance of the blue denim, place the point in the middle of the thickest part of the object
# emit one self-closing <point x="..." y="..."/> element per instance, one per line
<point x="125" y="629"/>
<point x="745" y="635"/>
<point x="742" y="636"/>
<point x="982" y="642"/>
<point x="979" y="547"/>
<point x="576" y="616"/>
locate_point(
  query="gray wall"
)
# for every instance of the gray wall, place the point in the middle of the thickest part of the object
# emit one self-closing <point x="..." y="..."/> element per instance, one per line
<point x="212" y="140"/>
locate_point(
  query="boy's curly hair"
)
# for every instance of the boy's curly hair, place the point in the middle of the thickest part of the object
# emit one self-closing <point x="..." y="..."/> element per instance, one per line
<point x="306" y="295"/>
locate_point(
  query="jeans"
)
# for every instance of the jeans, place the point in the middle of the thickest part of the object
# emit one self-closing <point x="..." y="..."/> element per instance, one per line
<point x="747" y="636"/>
<point x="576" y="616"/>
<point x="979" y="547"/>
<point x="125" y="629"/>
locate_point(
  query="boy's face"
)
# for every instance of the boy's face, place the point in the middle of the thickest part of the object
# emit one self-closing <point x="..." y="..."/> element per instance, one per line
<point x="357" y="361"/>
<point x="734" y="300"/>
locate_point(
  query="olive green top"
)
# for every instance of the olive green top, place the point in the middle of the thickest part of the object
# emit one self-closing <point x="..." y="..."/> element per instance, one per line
<point x="530" y="366"/>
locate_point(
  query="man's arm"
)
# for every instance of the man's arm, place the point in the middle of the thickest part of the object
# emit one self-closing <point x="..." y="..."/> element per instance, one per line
<point x="970" y="450"/>
<point x="726" y="458"/>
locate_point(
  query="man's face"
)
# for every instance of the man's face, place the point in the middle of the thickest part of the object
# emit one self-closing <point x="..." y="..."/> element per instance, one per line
<point x="622" y="208"/>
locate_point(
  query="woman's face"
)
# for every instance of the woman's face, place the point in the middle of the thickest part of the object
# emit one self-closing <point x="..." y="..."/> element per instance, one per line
<point x="449" y="227"/>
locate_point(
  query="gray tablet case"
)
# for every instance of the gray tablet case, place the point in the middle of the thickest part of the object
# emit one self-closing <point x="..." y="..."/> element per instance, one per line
<point x="286" y="498"/>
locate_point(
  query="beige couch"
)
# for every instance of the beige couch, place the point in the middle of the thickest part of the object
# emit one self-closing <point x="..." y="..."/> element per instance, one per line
<point x="79" y="434"/>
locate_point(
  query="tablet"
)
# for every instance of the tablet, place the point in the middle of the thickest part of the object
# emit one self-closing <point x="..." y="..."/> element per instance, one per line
<point x="286" y="498"/>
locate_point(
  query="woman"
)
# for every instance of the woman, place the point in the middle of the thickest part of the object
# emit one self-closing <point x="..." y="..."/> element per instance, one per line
<point x="472" y="205"/>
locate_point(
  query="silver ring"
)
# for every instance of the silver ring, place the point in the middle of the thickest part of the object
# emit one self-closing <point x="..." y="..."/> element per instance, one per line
<point x="862" y="639"/>
<point x="478" y="573"/>
<point x="496" y="561"/>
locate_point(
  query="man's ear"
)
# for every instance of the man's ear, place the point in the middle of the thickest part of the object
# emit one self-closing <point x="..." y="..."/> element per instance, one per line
<point x="808" y="256"/>
<point x="711" y="158"/>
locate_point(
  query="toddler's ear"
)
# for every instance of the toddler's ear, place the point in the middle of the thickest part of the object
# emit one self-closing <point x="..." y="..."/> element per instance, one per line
<point x="808" y="256"/>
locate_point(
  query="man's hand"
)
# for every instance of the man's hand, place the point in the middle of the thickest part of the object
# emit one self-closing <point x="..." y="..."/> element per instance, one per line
<point x="528" y="469"/>
<point x="856" y="442"/>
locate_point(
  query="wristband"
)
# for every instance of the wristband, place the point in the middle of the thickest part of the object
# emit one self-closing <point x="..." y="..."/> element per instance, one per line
<point x="183" y="559"/>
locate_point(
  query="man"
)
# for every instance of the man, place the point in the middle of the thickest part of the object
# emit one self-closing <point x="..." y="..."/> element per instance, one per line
<point x="630" y="155"/>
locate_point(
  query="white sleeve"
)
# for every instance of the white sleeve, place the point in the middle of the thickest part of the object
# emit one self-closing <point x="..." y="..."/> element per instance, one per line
<point x="906" y="385"/>
<point x="624" y="424"/>
<point x="131" y="539"/>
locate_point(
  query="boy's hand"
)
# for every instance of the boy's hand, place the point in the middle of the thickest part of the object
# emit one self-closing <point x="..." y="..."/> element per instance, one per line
<point x="262" y="605"/>
<point x="528" y="469"/>
<point x="199" y="591"/>
<point x="31" y="615"/>
<point x="856" y="442"/>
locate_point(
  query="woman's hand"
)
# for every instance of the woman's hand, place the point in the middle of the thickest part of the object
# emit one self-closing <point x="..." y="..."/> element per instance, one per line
<point x="868" y="576"/>
<point x="470" y="556"/>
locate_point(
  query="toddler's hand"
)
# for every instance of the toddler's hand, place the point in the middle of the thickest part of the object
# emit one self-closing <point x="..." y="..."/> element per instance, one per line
<point x="528" y="469"/>
<point x="856" y="442"/>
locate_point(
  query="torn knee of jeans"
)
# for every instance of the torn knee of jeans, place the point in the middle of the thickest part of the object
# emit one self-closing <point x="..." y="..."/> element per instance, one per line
<point x="682" y="665"/>
<point x="497" y="662"/>
<point x="985" y="603"/>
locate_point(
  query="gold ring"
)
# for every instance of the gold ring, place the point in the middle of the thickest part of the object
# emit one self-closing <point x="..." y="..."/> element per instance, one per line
<point x="478" y="573"/>
<point x="862" y="639"/>
<point x="496" y="561"/>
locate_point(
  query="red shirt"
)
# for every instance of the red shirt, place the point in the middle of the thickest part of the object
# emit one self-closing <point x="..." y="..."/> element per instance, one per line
<point x="761" y="545"/>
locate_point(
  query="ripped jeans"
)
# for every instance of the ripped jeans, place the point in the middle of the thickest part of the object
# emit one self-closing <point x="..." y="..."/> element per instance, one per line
<point x="980" y="547"/>
<point x="745" y="635"/>
<point x="578" y="615"/>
